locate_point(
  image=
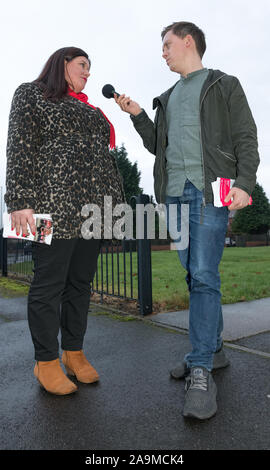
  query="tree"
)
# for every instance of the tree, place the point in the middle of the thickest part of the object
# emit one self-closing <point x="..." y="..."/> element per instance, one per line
<point x="131" y="176"/>
<point x="254" y="218"/>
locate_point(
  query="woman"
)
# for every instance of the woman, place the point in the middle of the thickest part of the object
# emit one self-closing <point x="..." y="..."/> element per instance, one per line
<point x="58" y="161"/>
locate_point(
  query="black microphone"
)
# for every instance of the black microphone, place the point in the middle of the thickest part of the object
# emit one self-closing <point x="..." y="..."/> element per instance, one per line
<point x="108" y="91"/>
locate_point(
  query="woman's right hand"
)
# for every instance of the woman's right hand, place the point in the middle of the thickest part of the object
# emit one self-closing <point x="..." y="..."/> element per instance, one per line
<point x="20" y="219"/>
<point x="127" y="105"/>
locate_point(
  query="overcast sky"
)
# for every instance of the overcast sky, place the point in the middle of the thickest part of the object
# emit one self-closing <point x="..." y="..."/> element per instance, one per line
<point x="123" y="41"/>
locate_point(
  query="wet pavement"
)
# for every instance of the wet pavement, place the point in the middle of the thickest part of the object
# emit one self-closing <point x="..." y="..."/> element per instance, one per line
<point x="136" y="405"/>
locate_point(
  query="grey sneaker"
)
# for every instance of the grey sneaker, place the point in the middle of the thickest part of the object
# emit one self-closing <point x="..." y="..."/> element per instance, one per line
<point x="182" y="370"/>
<point x="200" y="400"/>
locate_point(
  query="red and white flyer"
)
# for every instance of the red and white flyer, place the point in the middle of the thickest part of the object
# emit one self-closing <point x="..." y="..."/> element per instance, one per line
<point x="221" y="188"/>
<point x="44" y="229"/>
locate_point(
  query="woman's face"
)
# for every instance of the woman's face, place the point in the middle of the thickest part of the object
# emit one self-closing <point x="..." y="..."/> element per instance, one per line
<point x="77" y="73"/>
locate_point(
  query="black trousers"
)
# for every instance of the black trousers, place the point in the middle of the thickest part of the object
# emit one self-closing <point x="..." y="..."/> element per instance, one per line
<point x="59" y="295"/>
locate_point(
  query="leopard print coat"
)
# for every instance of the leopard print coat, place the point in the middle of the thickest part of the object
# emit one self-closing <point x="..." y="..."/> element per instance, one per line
<point x="58" y="159"/>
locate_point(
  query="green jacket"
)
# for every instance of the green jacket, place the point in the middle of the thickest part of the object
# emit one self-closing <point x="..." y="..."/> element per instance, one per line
<point x="228" y="135"/>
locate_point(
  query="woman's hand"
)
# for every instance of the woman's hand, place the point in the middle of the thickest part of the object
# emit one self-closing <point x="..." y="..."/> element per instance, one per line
<point x="127" y="105"/>
<point x="19" y="220"/>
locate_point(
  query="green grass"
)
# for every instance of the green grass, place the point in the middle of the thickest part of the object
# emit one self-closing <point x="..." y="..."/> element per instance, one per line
<point x="115" y="316"/>
<point x="245" y="275"/>
<point x="12" y="288"/>
<point x="21" y="268"/>
<point x="168" y="279"/>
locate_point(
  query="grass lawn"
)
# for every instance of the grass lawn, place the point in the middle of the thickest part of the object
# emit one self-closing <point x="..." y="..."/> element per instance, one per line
<point x="245" y="275"/>
<point x="12" y="288"/>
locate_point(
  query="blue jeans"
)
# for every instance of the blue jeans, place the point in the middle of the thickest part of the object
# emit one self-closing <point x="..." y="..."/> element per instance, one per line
<point x="207" y="231"/>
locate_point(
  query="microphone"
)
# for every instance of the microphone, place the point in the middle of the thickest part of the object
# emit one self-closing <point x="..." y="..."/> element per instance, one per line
<point x="108" y="91"/>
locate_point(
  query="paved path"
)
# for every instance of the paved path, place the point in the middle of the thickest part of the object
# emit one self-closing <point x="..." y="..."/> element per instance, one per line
<point x="136" y="406"/>
<point x="240" y="320"/>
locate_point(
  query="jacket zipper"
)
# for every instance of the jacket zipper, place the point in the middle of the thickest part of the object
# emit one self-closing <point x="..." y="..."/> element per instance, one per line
<point x="226" y="154"/>
<point x="206" y="91"/>
<point x="163" y="137"/>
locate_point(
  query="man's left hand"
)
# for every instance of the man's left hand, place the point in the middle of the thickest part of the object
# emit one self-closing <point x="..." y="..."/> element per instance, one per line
<point x="240" y="199"/>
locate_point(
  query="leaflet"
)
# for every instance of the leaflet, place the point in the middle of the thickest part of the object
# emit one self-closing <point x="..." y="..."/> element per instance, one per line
<point x="221" y="188"/>
<point x="44" y="229"/>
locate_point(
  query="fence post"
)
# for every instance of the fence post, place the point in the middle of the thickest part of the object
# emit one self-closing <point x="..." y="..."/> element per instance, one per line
<point x="3" y="254"/>
<point x="144" y="264"/>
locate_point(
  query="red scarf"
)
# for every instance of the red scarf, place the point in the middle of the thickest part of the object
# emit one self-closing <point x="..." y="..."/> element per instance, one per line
<point x="84" y="98"/>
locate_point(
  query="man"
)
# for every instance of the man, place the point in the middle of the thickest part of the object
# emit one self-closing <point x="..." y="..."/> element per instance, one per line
<point x="203" y="130"/>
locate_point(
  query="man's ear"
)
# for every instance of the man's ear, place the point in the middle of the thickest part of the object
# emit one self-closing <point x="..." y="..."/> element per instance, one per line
<point x="188" y="40"/>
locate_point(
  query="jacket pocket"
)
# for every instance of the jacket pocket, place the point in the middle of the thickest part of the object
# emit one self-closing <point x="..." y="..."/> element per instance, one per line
<point x="230" y="156"/>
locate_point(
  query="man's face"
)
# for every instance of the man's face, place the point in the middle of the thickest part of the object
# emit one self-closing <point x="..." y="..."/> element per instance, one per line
<point x="174" y="51"/>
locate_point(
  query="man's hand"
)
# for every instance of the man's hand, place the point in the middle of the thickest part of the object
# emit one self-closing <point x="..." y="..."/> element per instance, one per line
<point x="240" y="199"/>
<point x="19" y="220"/>
<point x="127" y="105"/>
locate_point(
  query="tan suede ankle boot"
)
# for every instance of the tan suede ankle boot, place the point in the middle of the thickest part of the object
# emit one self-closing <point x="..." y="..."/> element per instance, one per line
<point x="76" y="364"/>
<point x="51" y="376"/>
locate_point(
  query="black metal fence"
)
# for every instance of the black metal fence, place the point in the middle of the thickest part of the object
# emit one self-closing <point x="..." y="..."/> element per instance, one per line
<point x="123" y="271"/>
<point x="117" y="270"/>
